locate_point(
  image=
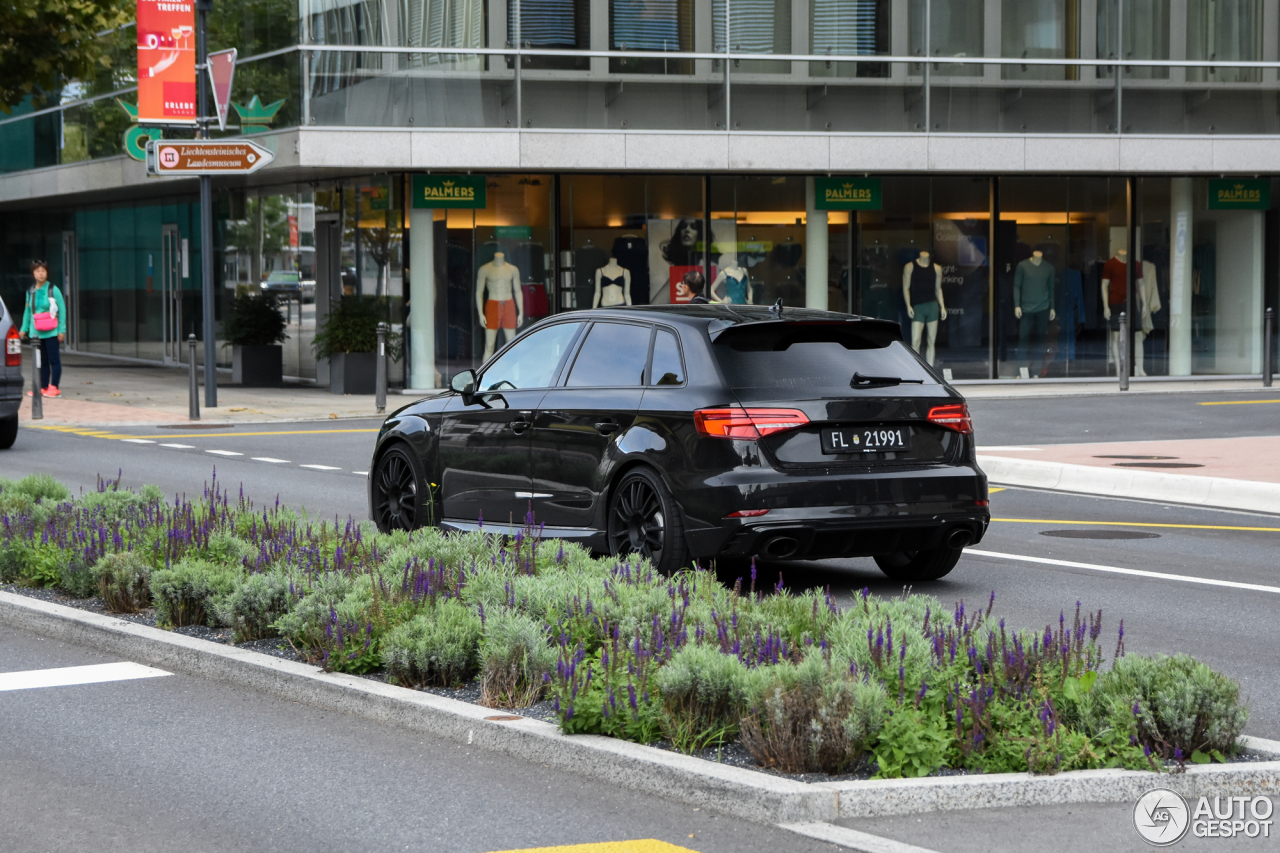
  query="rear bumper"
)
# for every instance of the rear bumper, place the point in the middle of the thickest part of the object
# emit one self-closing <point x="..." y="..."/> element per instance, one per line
<point x="826" y="515"/>
<point x="12" y="383"/>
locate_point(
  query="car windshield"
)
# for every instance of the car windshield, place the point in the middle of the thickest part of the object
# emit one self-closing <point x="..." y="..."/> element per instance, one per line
<point x="283" y="277"/>
<point x="772" y="363"/>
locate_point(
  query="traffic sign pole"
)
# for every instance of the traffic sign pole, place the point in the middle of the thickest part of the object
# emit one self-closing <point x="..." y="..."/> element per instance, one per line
<point x="203" y="7"/>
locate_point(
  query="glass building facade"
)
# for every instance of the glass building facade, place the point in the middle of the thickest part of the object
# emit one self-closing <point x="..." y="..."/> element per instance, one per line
<point x="1033" y="269"/>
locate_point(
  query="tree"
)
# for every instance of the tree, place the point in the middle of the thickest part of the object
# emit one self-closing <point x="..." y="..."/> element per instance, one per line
<point x="43" y="42"/>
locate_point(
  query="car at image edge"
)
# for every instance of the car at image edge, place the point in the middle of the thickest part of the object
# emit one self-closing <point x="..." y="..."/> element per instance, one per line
<point x="707" y="432"/>
<point x="11" y="380"/>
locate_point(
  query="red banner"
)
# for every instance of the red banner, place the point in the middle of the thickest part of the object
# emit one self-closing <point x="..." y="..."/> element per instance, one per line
<point x="166" y="62"/>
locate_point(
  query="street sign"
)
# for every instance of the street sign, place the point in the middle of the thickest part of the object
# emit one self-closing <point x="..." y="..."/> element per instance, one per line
<point x="222" y="68"/>
<point x="205" y="157"/>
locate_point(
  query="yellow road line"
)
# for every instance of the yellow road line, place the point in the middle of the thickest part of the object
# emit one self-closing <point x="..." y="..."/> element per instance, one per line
<point x="1238" y="403"/>
<point x="991" y="491"/>
<point x="1138" y="524"/>
<point x="643" y="845"/>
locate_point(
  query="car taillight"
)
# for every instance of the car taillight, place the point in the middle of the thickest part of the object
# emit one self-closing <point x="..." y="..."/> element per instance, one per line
<point x="747" y="424"/>
<point x="748" y="513"/>
<point x="12" y="348"/>
<point x="952" y="417"/>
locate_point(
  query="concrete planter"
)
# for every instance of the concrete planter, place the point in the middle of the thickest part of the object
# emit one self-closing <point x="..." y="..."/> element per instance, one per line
<point x="258" y="365"/>
<point x="353" y="373"/>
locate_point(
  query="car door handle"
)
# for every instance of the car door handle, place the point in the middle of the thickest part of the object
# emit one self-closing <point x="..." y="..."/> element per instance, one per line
<point x="606" y="427"/>
<point x="520" y="426"/>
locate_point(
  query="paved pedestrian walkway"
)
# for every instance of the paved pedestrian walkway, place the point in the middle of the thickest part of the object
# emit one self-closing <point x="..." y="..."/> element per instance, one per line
<point x="1235" y="473"/>
<point x="97" y="391"/>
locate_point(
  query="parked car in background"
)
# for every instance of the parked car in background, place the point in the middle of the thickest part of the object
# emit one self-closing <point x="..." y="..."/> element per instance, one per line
<point x="11" y="379"/>
<point x="286" y="283"/>
<point x="698" y="432"/>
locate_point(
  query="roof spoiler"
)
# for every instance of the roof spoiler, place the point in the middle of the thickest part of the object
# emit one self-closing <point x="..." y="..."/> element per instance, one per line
<point x="778" y="334"/>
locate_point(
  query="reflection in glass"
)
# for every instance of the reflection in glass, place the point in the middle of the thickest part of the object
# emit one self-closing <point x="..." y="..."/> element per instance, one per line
<point x="553" y="25"/>
<point x="849" y="28"/>
<point x="759" y="26"/>
<point x="1145" y="31"/>
<point x="651" y="25"/>
<point x="957" y="30"/>
<point x="1040" y="29"/>
<point x="1228" y="30"/>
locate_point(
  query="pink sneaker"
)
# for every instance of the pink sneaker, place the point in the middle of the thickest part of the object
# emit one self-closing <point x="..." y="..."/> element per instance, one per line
<point x="52" y="391"/>
<point x="44" y="392"/>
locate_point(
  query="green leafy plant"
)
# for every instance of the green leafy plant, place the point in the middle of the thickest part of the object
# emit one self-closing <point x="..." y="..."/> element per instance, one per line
<point x="440" y="646"/>
<point x="254" y="320"/>
<point x="352" y="326"/>
<point x="253" y="606"/>
<point x="911" y="744"/>
<point x="703" y="696"/>
<point x="515" y="656"/>
<point x="186" y="594"/>
<point x="124" y="581"/>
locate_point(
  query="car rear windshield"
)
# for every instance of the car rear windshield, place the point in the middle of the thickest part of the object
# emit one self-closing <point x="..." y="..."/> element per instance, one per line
<point x="804" y="361"/>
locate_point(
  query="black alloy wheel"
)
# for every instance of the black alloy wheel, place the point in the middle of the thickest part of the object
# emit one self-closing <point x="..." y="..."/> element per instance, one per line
<point x="644" y="521"/>
<point x="399" y="494"/>
<point x="916" y="566"/>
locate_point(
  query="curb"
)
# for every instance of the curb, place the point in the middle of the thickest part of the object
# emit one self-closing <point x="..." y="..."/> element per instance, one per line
<point x="1218" y="492"/>
<point x="732" y="790"/>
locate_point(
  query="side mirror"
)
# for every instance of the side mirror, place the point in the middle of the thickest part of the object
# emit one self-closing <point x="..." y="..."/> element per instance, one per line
<point x="464" y="383"/>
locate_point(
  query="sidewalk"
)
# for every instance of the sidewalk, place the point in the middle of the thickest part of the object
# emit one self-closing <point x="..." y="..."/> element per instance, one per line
<point x="974" y="389"/>
<point x="98" y="391"/>
<point x="1231" y="473"/>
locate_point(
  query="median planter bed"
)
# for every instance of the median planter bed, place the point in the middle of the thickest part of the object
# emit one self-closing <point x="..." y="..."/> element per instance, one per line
<point x="895" y="687"/>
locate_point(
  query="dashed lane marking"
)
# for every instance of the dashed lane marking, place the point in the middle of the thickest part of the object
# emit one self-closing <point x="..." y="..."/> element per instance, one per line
<point x="1116" y="570"/>
<point x="641" y="845"/>
<point x="270" y="459"/>
<point x="70" y="675"/>
<point x="225" y="452"/>
<point x="361" y="473"/>
<point x="322" y="467"/>
<point x="1138" y="524"/>
<point x="98" y="433"/>
<point x="852" y="839"/>
<point x="180" y="446"/>
<point x="138" y="440"/>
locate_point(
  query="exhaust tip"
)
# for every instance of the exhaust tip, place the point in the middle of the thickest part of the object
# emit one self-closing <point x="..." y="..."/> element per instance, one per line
<point x="959" y="538"/>
<point x="781" y="547"/>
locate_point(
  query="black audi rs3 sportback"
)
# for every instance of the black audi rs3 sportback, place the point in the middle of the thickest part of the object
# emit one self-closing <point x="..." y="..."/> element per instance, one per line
<point x="697" y="432"/>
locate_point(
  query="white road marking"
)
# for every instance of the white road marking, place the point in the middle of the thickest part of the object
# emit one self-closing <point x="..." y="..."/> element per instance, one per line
<point x="1008" y="447"/>
<point x="225" y="452"/>
<point x="361" y="473"/>
<point x="137" y="440"/>
<point x="321" y="467"/>
<point x="1115" y="570"/>
<point x="271" y="459"/>
<point x="179" y="446"/>
<point x="69" y="675"/>
<point x="851" y="839"/>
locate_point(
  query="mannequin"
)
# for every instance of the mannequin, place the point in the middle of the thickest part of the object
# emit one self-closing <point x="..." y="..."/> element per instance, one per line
<point x="736" y="282"/>
<point x="1148" y="303"/>
<point x="613" y="285"/>
<point x="1114" y="295"/>
<point x="922" y="291"/>
<point x="499" y="300"/>
<point x="1033" y="306"/>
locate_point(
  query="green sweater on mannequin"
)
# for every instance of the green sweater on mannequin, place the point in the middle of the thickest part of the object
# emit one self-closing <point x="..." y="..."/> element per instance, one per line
<point x="1033" y="286"/>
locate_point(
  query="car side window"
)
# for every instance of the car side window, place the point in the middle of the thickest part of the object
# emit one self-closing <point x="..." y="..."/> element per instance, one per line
<point x="667" y="368"/>
<point x="532" y="362"/>
<point x="614" y="354"/>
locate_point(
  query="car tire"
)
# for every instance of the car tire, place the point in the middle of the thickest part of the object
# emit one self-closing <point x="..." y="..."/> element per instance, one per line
<point x="8" y="431"/>
<point x="916" y="566"/>
<point x="644" y="520"/>
<point x="399" y="495"/>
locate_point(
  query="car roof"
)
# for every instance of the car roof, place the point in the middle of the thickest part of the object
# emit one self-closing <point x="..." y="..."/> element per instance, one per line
<point x="719" y="316"/>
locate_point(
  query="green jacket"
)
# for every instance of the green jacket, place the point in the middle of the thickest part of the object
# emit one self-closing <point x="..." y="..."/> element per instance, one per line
<point x="38" y="302"/>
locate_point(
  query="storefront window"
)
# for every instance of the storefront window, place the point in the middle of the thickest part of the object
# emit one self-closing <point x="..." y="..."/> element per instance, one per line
<point x="931" y="235"/>
<point x="1063" y="244"/>
<point x="758" y="228"/>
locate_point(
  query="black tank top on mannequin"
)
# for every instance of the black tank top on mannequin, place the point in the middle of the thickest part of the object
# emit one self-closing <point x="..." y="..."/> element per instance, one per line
<point x="924" y="284"/>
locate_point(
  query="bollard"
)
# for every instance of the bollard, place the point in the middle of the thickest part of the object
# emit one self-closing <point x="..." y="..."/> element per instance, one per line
<point x="193" y="392"/>
<point x="1268" y="324"/>
<point x="37" y="399"/>
<point x="1122" y="352"/>
<point x="380" y="397"/>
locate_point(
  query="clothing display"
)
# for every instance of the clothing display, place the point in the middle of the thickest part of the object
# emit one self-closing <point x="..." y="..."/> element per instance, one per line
<point x="535" y="300"/>
<point x="1071" y="315"/>
<point x="500" y="314"/>
<point x="924" y="286"/>
<point x="1033" y="286"/>
<point x="632" y="254"/>
<point x="1148" y="296"/>
<point x="926" y="312"/>
<point x="1116" y="271"/>
<point x="1033" y="325"/>
<point x="735" y="287"/>
<point x="605" y="281"/>
<point x="587" y="260"/>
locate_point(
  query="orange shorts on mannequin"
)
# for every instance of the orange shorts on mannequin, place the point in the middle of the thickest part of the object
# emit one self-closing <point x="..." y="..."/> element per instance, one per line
<point x="500" y="314"/>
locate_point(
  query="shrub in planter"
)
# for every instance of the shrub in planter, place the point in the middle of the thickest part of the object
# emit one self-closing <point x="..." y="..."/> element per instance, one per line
<point x="813" y="717"/>
<point x="186" y="593"/>
<point x="124" y="581"/>
<point x="254" y="605"/>
<point x="438" y="647"/>
<point x="254" y="327"/>
<point x="515" y="655"/>
<point x="348" y="337"/>
<point x="703" y="693"/>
